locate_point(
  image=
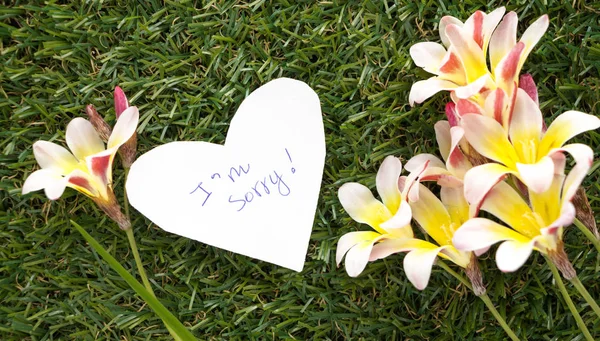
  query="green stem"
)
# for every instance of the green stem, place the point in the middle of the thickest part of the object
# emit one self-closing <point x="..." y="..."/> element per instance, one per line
<point x="180" y="331"/>
<point x="567" y="298"/>
<point x="138" y="261"/>
<point x="588" y="234"/>
<point x="586" y="295"/>
<point x="136" y="254"/>
<point x="484" y="297"/>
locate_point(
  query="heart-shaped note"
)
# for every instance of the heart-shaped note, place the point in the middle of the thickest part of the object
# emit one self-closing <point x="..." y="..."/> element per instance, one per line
<point x="257" y="194"/>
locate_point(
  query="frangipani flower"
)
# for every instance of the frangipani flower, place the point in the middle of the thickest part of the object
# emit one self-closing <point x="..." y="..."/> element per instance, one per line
<point x="390" y="219"/>
<point x="128" y="149"/>
<point x="536" y="227"/>
<point x="439" y="219"/>
<point x="87" y="168"/>
<point x="460" y="64"/>
<point x="527" y="151"/>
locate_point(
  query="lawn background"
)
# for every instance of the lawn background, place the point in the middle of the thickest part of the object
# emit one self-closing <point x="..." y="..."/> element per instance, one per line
<point x="188" y="65"/>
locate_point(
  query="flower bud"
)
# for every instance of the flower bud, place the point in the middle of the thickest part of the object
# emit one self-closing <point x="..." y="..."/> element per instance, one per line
<point x="98" y="122"/>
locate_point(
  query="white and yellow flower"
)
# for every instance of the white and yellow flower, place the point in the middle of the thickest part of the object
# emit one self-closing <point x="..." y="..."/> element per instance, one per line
<point x="87" y="168"/>
<point x="390" y="219"/>
<point x="536" y="227"/>
<point x="460" y="62"/>
<point x="527" y="151"/>
<point x="439" y="219"/>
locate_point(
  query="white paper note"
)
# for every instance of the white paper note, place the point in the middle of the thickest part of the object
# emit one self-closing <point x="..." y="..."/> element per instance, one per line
<point x="257" y="194"/>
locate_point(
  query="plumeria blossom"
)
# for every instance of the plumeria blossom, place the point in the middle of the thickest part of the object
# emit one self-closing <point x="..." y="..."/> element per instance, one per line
<point x="527" y="152"/>
<point x="390" y="219"/>
<point x="538" y="226"/>
<point x="460" y="62"/>
<point x="87" y="168"/>
<point x="439" y="219"/>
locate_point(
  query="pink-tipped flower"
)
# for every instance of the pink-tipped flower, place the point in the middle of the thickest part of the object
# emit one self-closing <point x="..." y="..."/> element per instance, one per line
<point x="390" y="219"/>
<point x="537" y="226"/>
<point x="460" y="64"/>
<point x="87" y="168"/>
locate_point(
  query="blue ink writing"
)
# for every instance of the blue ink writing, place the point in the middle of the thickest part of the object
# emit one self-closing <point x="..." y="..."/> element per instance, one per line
<point x="279" y="181"/>
<point x="290" y="157"/>
<point x="237" y="171"/>
<point x="239" y="200"/>
<point x="203" y="190"/>
<point x="262" y="188"/>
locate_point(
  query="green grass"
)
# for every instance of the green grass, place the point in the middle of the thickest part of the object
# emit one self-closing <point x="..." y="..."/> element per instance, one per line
<point x="187" y="65"/>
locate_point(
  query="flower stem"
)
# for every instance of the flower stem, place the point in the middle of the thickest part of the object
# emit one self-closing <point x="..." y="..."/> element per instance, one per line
<point x="484" y="297"/>
<point x="588" y="234"/>
<point x="586" y="295"/>
<point x="178" y="330"/>
<point x="567" y="298"/>
<point x="138" y="260"/>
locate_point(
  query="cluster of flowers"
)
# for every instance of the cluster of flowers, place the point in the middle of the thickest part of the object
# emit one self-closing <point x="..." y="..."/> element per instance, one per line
<point x="498" y="157"/>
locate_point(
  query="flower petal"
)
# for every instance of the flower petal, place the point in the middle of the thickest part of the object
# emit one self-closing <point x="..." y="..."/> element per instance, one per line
<point x="85" y="183"/>
<point x="387" y="182"/>
<point x="564" y="127"/>
<point x="358" y="257"/>
<point x="82" y="138"/>
<point x="525" y="127"/>
<point x="124" y="128"/>
<point x="444" y="141"/>
<point x="428" y="55"/>
<point x="472" y="88"/>
<point x="527" y="83"/>
<point x="489" y="25"/>
<point x="400" y="220"/>
<point x="480" y="180"/>
<point x="506" y="72"/>
<point x="583" y="156"/>
<point x="531" y="36"/>
<point x="503" y="39"/>
<point x="478" y="233"/>
<point x="390" y="246"/>
<point x="444" y="22"/>
<point x="489" y="139"/>
<point x="418" y="264"/>
<point x="507" y="205"/>
<point x="465" y="106"/>
<point x="457" y="162"/>
<point x="121" y="102"/>
<point x="410" y="188"/>
<point x="52" y="156"/>
<point x="455" y="203"/>
<point x="468" y="51"/>
<point x="496" y="106"/>
<point x="53" y="183"/>
<point x="432" y="216"/>
<point x="349" y="240"/>
<point x="359" y="203"/>
<point x="537" y="176"/>
<point x="416" y="162"/>
<point x="100" y="165"/>
<point x="566" y="218"/>
<point x="511" y="255"/>
<point x="422" y="90"/>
